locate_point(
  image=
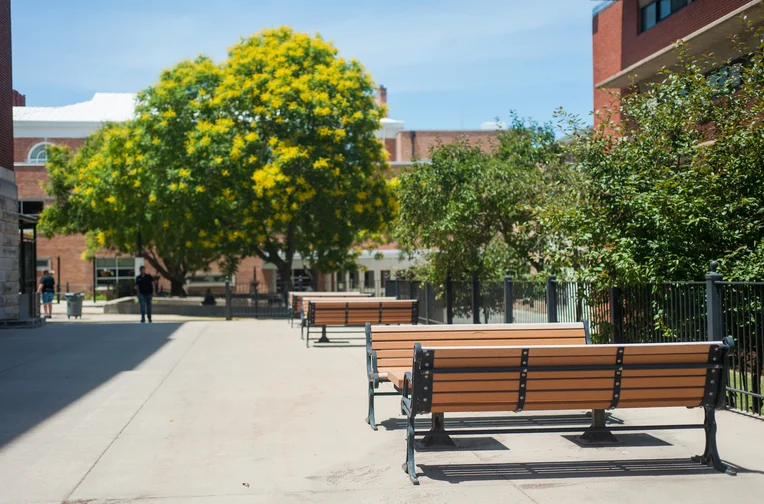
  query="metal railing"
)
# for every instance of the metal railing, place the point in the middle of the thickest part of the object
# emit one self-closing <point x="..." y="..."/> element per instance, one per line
<point x="648" y="313"/>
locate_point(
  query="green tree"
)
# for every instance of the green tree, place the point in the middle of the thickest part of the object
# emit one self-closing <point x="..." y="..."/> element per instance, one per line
<point x="271" y="153"/>
<point x="483" y="213"/>
<point x="678" y="181"/>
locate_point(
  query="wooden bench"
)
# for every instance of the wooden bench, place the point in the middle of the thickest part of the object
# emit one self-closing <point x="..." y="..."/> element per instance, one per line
<point x="296" y="297"/>
<point x="305" y="300"/>
<point x="518" y="378"/>
<point x="351" y="312"/>
<point x="389" y="350"/>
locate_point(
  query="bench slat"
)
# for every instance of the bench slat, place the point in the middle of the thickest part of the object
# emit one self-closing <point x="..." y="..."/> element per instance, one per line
<point x="505" y="333"/>
<point x="409" y="344"/>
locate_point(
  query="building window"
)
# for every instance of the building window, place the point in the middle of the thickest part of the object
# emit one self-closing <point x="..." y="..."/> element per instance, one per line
<point x="38" y="155"/>
<point x="31" y="207"/>
<point x="43" y="263"/>
<point x="110" y="271"/>
<point x="651" y="12"/>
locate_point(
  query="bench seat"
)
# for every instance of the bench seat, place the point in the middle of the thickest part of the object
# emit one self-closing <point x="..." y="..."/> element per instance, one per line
<point x="391" y="348"/>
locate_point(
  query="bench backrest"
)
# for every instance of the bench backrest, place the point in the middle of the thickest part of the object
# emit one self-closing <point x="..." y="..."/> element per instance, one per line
<point x="296" y="297"/>
<point x="448" y="379"/>
<point x="307" y="299"/>
<point x="357" y="312"/>
<point x="394" y="345"/>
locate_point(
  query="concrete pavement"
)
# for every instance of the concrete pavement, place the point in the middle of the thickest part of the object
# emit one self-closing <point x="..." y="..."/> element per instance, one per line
<point x="235" y="412"/>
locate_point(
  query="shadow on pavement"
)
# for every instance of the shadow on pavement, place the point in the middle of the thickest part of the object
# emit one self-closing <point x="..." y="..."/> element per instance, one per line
<point x="457" y="473"/>
<point x="44" y="370"/>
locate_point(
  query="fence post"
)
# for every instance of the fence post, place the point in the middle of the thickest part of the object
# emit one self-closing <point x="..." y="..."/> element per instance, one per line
<point x="714" y="304"/>
<point x="449" y="300"/>
<point x="616" y="314"/>
<point x="228" y="307"/>
<point x="475" y="299"/>
<point x="397" y="287"/>
<point x="508" y="300"/>
<point x="94" y="280"/>
<point x="427" y="291"/>
<point x="257" y="299"/>
<point x="551" y="299"/>
<point x="58" y="281"/>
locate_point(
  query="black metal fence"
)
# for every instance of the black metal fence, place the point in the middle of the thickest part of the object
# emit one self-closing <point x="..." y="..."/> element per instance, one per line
<point x="649" y="313"/>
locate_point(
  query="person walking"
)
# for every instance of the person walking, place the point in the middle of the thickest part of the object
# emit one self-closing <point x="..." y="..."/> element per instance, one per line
<point x="144" y="284"/>
<point x="47" y="290"/>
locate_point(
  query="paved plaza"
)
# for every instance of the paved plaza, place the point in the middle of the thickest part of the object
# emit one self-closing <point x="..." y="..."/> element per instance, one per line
<point x="241" y="412"/>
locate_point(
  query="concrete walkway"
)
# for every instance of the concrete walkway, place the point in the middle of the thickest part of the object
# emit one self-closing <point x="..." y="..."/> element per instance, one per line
<point x="241" y="412"/>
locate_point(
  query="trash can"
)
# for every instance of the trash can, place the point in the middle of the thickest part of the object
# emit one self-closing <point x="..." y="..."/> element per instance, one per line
<point x="74" y="304"/>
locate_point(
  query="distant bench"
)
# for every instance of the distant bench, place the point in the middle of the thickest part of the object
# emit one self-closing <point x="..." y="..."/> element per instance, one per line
<point x="557" y="377"/>
<point x="390" y="350"/>
<point x="357" y="312"/>
<point x="296" y="297"/>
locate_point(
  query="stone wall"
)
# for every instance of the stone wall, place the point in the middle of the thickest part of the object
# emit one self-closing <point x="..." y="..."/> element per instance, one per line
<point x="9" y="247"/>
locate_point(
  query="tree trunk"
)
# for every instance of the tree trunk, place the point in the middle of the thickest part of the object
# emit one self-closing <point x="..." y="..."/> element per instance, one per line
<point x="285" y="271"/>
<point x="177" y="287"/>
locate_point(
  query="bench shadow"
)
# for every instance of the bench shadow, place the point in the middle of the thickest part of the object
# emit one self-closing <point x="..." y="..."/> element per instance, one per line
<point x="423" y="423"/>
<point x="458" y="473"/>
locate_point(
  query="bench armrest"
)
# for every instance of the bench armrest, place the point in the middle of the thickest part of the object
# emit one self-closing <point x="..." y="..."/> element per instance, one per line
<point x="372" y="369"/>
<point x="405" y="390"/>
<point x="407" y="381"/>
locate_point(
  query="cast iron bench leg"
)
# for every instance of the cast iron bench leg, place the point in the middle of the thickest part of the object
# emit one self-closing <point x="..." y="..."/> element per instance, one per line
<point x="438" y="425"/>
<point x="323" y="339"/>
<point x="711" y="453"/>
<point x="370" y="419"/>
<point x="597" y="433"/>
<point x="409" y="467"/>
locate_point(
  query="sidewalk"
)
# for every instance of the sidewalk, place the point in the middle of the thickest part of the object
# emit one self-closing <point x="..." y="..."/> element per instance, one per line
<point x="241" y="412"/>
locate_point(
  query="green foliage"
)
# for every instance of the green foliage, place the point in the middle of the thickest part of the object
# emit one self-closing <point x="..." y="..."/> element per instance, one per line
<point x="484" y="212"/>
<point x="271" y="153"/>
<point x="677" y="182"/>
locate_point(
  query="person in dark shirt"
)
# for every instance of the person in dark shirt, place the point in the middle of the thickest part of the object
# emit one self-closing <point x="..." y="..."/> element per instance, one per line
<point x="144" y="284"/>
<point x="47" y="290"/>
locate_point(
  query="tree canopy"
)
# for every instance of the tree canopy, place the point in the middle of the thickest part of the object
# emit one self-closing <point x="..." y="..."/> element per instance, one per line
<point x="271" y="153"/>
<point x="677" y="182"/>
<point x="484" y="213"/>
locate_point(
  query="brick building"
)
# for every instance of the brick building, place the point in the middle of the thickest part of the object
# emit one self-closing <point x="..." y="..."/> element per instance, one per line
<point x="36" y="127"/>
<point x="9" y="224"/>
<point x="633" y="39"/>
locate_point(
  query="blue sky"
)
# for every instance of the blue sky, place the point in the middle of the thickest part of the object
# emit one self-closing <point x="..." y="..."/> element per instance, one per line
<point x="447" y="64"/>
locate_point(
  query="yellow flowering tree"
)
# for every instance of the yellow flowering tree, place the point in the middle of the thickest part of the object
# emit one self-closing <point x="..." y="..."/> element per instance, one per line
<point x="138" y="184"/>
<point x="270" y="154"/>
<point x="298" y="144"/>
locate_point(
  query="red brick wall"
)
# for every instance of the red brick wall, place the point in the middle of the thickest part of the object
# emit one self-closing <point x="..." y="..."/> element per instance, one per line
<point x="424" y="141"/>
<point x="618" y="44"/>
<point x="19" y="100"/>
<point x="390" y="147"/>
<point x="74" y="270"/>
<point x="606" y="53"/>
<point x="6" y="87"/>
<point x="637" y="46"/>
<point x="22" y="146"/>
<point x="29" y="180"/>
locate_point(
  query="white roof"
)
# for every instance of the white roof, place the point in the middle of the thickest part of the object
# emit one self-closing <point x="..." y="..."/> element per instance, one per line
<point x="103" y="107"/>
<point x="81" y="119"/>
